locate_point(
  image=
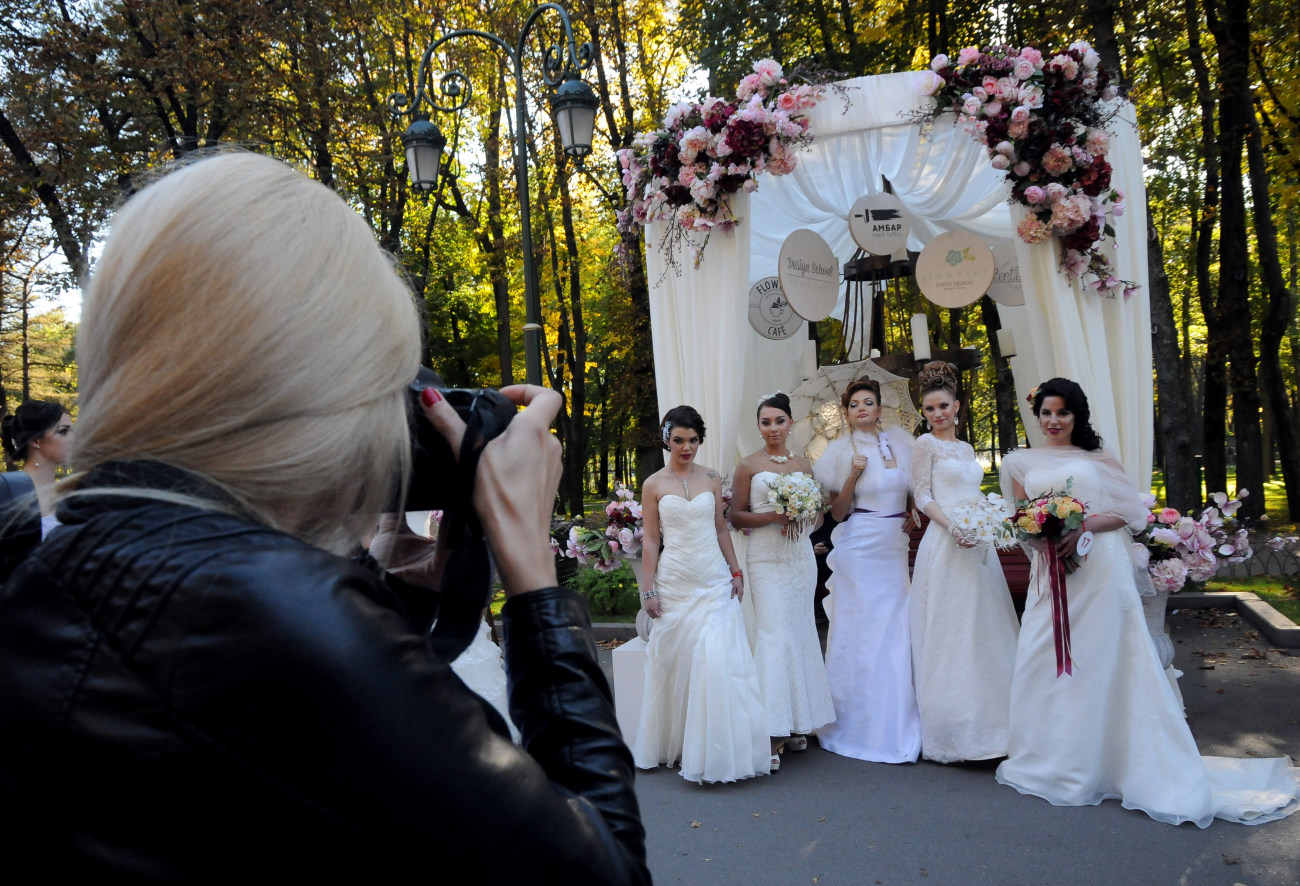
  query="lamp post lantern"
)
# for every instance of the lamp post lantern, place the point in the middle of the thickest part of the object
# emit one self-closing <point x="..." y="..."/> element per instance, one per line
<point x="573" y="106"/>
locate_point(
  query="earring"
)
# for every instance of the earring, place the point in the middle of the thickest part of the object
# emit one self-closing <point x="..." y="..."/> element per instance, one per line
<point x="954" y="421"/>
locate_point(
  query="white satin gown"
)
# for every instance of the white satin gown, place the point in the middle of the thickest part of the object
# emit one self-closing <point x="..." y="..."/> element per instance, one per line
<point x="702" y="704"/>
<point x="781" y="574"/>
<point x="963" y="623"/>
<point x="1115" y="728"/>
<point x="868" y="650"/>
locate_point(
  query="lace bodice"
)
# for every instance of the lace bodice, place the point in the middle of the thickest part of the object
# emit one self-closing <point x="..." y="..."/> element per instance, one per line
<point x="944" y="471"/>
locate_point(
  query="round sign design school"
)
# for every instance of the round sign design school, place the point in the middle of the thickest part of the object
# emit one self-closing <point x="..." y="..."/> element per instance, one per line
<point x="810" y="274"/>
<point x="769" y="310"/>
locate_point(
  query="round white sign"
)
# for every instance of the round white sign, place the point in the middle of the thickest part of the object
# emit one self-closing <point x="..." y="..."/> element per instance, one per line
<point x="1006" y="288"/>
<point x="877" y="224"/>
<point x="769" y="311"/>
<point x="955" y="269"/>
<point x="810" y="275"/>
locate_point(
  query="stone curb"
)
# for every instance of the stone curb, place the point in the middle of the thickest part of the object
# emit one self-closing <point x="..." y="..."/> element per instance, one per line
<point x="1276" y="627"/>
<point x="605" y="631"/>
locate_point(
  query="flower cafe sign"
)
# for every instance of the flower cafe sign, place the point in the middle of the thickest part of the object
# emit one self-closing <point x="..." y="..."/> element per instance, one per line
<point x="809" y="274"/>
<point x="955" y="269"/>
<point x="769" y="310"/>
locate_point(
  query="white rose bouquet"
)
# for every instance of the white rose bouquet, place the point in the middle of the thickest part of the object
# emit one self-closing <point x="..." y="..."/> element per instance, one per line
<point x="799" y="496"/>
<point x="984" y="522"/>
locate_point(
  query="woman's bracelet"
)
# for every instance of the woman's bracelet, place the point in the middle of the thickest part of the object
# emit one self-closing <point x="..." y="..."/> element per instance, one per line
<point x="739" y="573"/>
<point x="646" y="595"/>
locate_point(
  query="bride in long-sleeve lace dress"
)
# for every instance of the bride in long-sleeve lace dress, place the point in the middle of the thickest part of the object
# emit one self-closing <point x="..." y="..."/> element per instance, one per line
<point x="963" y="624"/>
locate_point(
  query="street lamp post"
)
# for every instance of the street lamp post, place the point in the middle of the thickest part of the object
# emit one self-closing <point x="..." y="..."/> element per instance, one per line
<point x="573" y="106"/>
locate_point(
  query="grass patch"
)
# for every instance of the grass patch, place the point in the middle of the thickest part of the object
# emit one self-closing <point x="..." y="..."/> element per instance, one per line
<point x="1279" y="591"/>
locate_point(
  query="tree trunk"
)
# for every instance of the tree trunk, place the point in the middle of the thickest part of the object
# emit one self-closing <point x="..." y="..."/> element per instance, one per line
<point x="1182" y="484"/>
<point x="1236" y="115"/>
<point x="496" y="245"/>
<point x="1214" y="387"/>
<point x="1276" y="319"/>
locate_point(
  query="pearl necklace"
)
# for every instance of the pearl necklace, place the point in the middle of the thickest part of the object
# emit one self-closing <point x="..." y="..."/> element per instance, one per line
<point x="780" y="459"/>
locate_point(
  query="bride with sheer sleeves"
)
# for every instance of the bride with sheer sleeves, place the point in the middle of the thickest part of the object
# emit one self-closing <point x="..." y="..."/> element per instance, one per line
<point x="963" y="624"/>
<point x="1097" y="719"/>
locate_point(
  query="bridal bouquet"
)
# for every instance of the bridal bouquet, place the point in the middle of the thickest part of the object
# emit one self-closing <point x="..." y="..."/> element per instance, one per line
<point x="1049" y="518"/>
<point x="984" y="522"/>
<point x="799" y="496"/>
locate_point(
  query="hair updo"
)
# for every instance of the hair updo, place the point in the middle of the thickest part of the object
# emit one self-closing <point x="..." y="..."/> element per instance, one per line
<point x="937" y="376"/>
<point x="862" y="384"/>
<point x="1076" y="401"/>
<point x="681" y="417"/>
<point x="29" y="422"/>
<point x="776" y="401"/>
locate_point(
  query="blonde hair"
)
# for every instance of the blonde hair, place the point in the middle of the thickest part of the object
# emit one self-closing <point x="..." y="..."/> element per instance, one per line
<point x="243" y="324"/>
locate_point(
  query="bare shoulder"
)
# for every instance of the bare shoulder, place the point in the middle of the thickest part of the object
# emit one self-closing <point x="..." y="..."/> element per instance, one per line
<point x="714" y="477"/>
<point x="802" y="464"/>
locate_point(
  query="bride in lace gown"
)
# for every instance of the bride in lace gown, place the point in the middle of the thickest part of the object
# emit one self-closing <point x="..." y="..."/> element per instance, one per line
<point x="963" y="624"/>
<point x="782" y="575"/>
<point x="1110" y="727"/>
<point x="701" y="703"/>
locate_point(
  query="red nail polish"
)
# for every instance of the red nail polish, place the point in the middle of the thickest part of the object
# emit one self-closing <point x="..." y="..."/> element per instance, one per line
<point x="430" y="396"/>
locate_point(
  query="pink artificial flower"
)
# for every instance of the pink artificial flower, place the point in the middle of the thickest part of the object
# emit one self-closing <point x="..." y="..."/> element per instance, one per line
<point x="769" y="69"/>
<point x="927" y="84"/>
<point x="750" y="186"/>
<point x="1034" y="194"/>
<point x="1005" y="147"/>
<point x="1033" y="231"/>
<point x="1018" y="130"/>
<point x="969" y="55"/>
<point x="993" y="109"/>
<point x="1023" y="69"/>
<point x="1106" y="285"/>
<point x="1033" y="55"/>
<point x="1117" y="209"/>
<point x="1165" y="537"/>
<point x="990" y="84"/>
<point x="980" y="93"/>
<point x="1020" y="114"/>
<point x="1169" y="516"/>
<point x="787" y="101"/>
<point x="1057" y="160"/>
<point x="1000" y="162"/>
<point x="1068" y="67"/>
<point x="1022" y="168"/>
<point x="1074" y="262"/>
<point x="1151" y="518"/>
<point x="1056" y="192"/>
<point x="1141" y="556"/>
<point x="971" y="106"/>
<point x="939" y="62"/>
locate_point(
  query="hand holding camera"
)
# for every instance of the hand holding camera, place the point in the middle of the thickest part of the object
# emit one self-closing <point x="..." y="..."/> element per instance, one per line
<point x="515" y="482"/>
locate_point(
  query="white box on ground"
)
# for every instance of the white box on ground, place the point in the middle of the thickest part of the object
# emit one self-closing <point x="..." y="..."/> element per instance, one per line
<point x="629" y="685"/>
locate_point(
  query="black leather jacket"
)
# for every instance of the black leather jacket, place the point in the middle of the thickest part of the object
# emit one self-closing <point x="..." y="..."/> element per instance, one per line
<point x="188" y="695"/>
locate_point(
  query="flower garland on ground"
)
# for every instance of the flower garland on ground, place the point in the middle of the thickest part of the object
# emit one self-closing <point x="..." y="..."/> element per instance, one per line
<point x="686" y="171"/>
<point x="1042" y="121"/>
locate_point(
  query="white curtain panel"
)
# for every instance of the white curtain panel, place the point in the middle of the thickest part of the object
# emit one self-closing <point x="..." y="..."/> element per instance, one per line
<point x="707" y="355"/>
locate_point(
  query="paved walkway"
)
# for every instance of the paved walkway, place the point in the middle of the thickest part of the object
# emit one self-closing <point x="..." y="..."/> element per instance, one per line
<point x="829" y="820"/>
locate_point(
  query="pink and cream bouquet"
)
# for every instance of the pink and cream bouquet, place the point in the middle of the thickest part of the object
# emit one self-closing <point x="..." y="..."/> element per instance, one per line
<point x="799" y="496"/>
<point x="1042" y="119"/>
<point x="686" y="171"/>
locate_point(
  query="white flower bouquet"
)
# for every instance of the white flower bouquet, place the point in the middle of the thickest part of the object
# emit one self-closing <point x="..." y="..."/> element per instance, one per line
<point x="984" y="522"/>
<point x="799" y="496"/>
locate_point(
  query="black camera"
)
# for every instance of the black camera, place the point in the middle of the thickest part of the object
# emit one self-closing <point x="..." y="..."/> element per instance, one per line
<point x="437" y="481"/>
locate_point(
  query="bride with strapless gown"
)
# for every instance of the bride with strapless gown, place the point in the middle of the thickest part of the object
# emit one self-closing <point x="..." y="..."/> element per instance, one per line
<point x="702" y="704"/>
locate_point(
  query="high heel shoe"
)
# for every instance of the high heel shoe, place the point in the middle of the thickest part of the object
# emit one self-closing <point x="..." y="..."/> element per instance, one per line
<point x="797" y="743"/>
<point x="775" y="765"/>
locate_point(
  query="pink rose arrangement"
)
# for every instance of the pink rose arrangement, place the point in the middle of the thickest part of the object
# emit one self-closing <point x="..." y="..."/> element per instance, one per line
<point x="1042" y="120"/>
<point x="686" y="171"/>
<point x="1176" y="548"/>
<point x="605" y="550"/>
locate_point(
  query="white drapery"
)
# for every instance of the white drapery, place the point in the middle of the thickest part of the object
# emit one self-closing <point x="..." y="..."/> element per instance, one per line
<point x="707" y="355"/>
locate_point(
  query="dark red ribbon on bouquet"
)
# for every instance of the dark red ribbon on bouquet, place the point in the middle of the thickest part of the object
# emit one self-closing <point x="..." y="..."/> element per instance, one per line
<point x="1060" y="612"/>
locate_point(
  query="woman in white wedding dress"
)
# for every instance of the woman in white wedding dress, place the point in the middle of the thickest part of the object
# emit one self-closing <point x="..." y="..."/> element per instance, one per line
<point x="782" y="573"/>
<point x="1110" y="726"/>
<point x="701" y="703"/>
<point x="963" y="624"/>
<point x="868" y="652"/>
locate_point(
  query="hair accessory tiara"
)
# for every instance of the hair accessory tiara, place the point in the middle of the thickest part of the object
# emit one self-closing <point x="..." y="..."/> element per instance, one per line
<point x="668" y="426"/>
<point x="763" y="399"/>
<point x="1029" y="398"/>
